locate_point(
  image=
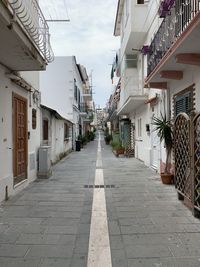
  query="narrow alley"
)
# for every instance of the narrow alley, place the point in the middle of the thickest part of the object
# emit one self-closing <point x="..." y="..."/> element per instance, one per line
<point x="98" y="210"/>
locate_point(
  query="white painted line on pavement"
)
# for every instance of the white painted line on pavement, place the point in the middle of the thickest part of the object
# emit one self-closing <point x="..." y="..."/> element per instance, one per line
<point x="99" y="254"/>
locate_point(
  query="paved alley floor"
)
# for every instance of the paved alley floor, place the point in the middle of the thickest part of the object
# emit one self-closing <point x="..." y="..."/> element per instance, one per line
<point x="97" y="207"/>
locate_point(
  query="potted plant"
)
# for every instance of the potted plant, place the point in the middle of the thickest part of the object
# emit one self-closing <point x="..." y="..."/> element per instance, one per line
<point x="107" y="139"/>
<point x="164" y="130"/>
<point x="117" y="147"/>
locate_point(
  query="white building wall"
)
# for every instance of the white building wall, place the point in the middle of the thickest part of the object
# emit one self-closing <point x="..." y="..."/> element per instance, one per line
<point x="57" y="87"/>
<point x="142" y="141"/>
<point x="7" y="88"/>
<point x="59" y="146"/>
<point x="191" y="76"/>
<point x="148" y="147"/>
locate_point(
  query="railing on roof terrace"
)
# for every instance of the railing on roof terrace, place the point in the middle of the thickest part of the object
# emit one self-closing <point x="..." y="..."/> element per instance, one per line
<point x="32" y="20"/>
<point x="112" y="109"/>
<point x="172" y="26"/>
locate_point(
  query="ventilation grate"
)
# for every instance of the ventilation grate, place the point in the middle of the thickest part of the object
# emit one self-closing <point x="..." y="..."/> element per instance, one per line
<point x="99" y="186"/>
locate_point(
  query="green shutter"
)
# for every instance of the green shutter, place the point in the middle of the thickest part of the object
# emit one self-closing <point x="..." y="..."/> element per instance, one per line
<point x="184" y="103"/>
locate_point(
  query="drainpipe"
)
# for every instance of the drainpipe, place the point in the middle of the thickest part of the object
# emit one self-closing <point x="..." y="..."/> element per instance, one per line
<point x="168" y="103"/>
<point x="142" y="66"/>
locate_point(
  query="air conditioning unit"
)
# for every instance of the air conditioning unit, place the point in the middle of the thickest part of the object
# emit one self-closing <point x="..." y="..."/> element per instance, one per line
<point x="44" y="169"/>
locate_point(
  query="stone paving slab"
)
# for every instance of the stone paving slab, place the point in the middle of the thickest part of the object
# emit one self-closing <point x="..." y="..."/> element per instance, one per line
<point x="48" y="223"/>
<point x="154" y="228"/>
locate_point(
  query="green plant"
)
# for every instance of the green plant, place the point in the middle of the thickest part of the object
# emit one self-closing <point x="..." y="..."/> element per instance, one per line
<point x="83" y="139"/>
<point x="91" y="136"/>
<point x="116" y="145"/>
<point x="164" y="130"/>
<point x="108" y="138"/>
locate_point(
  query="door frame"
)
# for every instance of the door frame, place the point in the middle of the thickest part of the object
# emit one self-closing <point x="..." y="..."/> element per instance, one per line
<point x="14" y="95"/>
<point x="153" y="134"/>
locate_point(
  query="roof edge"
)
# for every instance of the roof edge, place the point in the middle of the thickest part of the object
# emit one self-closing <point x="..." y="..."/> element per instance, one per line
<point x="116" y="18"/>
<point x="57" y="115"/>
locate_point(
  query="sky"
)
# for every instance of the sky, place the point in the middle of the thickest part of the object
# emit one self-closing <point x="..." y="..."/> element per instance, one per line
<point x="88" y="36"/>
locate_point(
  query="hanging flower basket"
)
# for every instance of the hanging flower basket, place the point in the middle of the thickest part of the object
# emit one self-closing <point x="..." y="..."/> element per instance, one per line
<point x="165" y="7"/>
<point x="145" y="50"/>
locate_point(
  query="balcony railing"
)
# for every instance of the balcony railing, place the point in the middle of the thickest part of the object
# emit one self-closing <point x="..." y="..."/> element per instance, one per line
<point x="112" y="109"/>
<point x="172" y="26"/>
<point x="83" y="107"/>
<point x="33" y="22"/>
<point x="87" y="92"/>
<point x="132" y="87"/>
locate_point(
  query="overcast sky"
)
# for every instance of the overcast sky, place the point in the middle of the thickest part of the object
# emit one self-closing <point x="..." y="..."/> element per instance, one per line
<point x="88" y="36"/>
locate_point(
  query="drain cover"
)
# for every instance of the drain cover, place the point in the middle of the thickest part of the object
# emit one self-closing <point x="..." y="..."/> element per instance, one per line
<point x="99" y="186"/>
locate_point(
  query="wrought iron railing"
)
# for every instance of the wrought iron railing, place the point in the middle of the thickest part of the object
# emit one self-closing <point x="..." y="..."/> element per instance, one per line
<point x="172" y="26"/>
<point x="112" y="109"/>
<point x="87" y="92"/>
<point x="83" y="107"/>
<point x="33" y="22"/>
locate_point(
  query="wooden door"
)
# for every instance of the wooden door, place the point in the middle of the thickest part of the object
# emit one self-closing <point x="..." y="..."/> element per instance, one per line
<point x="19" y="138"/>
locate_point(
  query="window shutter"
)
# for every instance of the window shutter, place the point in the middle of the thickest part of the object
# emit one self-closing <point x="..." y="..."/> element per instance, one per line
<point x="184" y="103"/>
<point x="34" y="119"/>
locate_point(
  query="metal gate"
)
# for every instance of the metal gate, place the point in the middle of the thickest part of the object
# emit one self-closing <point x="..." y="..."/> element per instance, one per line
<point x="130" y="145"/>
<point x="182" y="156"/>
<point x="187" y="160"/>
<point x="196" y="165"/>
<point x="127" y="137"/>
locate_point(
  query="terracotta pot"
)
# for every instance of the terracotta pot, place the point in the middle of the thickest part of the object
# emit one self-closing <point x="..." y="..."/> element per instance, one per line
<point x="120" y="151"/>
<point x="167" y="178"/>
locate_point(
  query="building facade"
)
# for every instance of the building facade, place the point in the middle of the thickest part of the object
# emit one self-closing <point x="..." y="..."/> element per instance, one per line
<point x="21" y="56"/>
<point x="56" y="132"/>
<point x="65" y="88"/>
<point x="159" y="66"/>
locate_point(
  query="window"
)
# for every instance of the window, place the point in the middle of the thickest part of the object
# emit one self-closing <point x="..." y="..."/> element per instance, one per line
<point x="75" y="90"/>
<point x="139" y="2"/>
<point x="140" y="127"/>
<point x="79" y="98"/>
<point x="45" y="130"/>
<point x="66" y="131"/>
<point x="34" y="119"/>
<point x="184" y="101"/>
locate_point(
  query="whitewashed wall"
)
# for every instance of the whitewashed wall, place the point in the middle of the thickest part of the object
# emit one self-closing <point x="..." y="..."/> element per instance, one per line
<point x="6" y="139"/>
<point x="59" y="146"/>
<point x="57" y="87"/>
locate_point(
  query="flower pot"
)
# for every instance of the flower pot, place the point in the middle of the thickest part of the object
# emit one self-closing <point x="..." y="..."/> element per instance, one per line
<point x="167" y="178"/>
<point x="119" y="151"/>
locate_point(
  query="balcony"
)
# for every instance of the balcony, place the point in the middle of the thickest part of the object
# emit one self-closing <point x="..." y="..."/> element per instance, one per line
<point x="84" y="109"/>
<point x="25" y="39"/>
<point x="132" y="26"/>
<point x="132" y="94"/>
<point x="176" y="40"/>
<point x="89" y="118"/>
<point x="112" y="111"/>
<point x="87" y="94"/>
